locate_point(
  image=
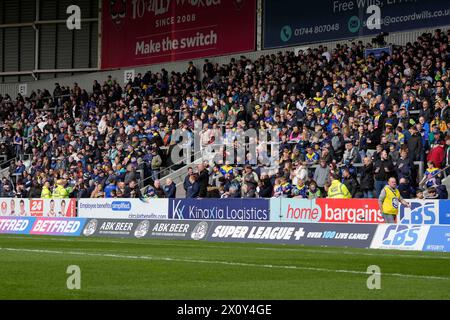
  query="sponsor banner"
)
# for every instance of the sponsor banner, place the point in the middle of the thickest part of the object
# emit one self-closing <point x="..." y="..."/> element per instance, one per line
<point x="154" y="229"/>
<point x="152" y="32"/>
<point x="53" y="207"/>
<point x="400" y="237"/>
<point x="350" y="211"/>
<point x="220" y="209"/>
<point x="326" y="210"/>
<point x="14" y="207"/>
<point x="293" y="22"/>
<point x="16" y="225"/>
<point x="123" y="208"/>
<point x="444" y="212"/>
<point x="294" y="210"/>
<point x="58" y="226"/>
<point x="421" y="212"/>
<point x="438" y="239"/>
<point x="308" y="234"/>
<point x="38" y="207"/>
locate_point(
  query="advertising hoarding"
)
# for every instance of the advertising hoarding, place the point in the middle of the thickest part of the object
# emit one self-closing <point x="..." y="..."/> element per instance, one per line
<point x="326" y="210"/>
<point x="400" y="237"/>
<point x="153" y="229"/>
<point x="219" y="209"/>
<point x="140" y="32"/>
<point x="38" y="207"/>
<point x="292" y="22"/>
<point x="123" y="208"/>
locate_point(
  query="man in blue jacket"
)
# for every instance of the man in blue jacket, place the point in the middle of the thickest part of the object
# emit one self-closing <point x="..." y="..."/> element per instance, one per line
<point x="170" y="189"/>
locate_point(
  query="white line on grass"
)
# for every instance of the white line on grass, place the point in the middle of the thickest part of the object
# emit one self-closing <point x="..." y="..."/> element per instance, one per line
<point x="376" y="252"/>
<point x="228" y="263"/>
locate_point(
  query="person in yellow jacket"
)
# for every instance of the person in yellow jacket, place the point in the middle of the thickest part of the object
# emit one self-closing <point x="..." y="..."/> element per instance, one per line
<point x="389" y="201"/>
<point x="61" y="191"/>
<point x="338" y="190"/>
<point x="46" y="193"/>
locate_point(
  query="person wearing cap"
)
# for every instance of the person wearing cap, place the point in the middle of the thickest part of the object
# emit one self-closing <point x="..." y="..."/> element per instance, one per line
<point x="389" y="201"/>
<point x="336" y="189"/>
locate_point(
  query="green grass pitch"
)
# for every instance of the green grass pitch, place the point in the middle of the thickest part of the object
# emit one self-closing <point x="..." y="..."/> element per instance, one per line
<point x="35" y="267"/>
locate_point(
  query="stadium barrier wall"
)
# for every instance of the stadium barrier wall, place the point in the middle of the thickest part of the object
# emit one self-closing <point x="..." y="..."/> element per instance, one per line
<point x="123" y="208"/>
<point x="382" y="236"/>
<point x="38" y="207"/>
<point x="42" y="226"/>
<point x="365" y="211"/>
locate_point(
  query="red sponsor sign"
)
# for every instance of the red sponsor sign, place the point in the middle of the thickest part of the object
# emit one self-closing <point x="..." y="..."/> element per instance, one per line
<point x="36" y="207"/>
<point x="139" y="32"/>
<point x="350" y="211"/>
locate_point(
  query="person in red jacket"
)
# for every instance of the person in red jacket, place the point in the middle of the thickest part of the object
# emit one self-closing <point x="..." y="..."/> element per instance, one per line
<point x="436" y="155"/>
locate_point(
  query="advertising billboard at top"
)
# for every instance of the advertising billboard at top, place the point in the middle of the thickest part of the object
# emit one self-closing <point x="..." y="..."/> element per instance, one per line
<point x="140" y="32"/>
<point x="292" y="22"/>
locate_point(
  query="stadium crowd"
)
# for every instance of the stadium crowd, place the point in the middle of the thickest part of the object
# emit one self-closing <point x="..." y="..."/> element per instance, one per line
<point x="345" y="122"/>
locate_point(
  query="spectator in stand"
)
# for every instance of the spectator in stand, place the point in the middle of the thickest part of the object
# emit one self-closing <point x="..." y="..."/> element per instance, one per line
<point x="192" y="187"/>
<point x="383" y="169"/>
<point x="336" y="189"/>
<point x="109" y="132"/>
<point x="159" y="190"/>
<point x="367" y="179"/>
<point x="265" y="187"/>
<point x="351" y="183"/>
<point x="431" y="174"/>
<point x="313" y="191"/>
<point x="250" y="181"/>
<point x="170" y="189"/>
<point x="436" y="154"/>
<point x="203" y="179"/>
<point x="321" y="175"/>
<point x="405" y="188"/>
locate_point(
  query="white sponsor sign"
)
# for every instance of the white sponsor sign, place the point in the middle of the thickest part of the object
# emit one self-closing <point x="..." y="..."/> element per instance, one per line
<point x="23" y="89"/>
<point x="123" y="208"/>
<point x="37" y="207"/>
<point x="400" y="237"/>
<point x="128" y="75"/>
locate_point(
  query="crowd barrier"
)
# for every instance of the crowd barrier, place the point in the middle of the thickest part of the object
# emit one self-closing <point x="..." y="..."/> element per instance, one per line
<point x="364" y="211"/>
<point x="323" y="222"/>
<point x="375" y="236"/>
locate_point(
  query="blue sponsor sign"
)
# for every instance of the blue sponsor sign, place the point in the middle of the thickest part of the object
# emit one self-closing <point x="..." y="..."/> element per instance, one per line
<point x="220" y="209"/>
<point x="16" y="225"/>
<point x="421" y="212"/>
<point x="444" y="212"/>
<point x="293" y="22"/>
<point x="378" y="52"/>
<point x="121" y="206"/>
<point x="438" y="239"/>
<point x="400" y="237"/>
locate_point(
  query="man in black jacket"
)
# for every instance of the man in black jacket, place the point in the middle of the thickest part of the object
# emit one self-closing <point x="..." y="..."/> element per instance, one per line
<point x="351" y="183"/>
<point x="384" y="169"/>
<point x="367" y="181"/>
<point x="446" y="161"/>
<point x="265" y="186"/>
<point x="203" y="179"/>
<point x="415" y="145"/>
